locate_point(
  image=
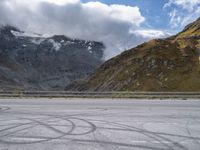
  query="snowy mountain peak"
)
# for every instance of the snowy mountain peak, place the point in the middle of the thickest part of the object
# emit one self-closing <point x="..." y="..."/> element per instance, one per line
<point x="25" y="34"/>
<point x="33" y="61"/>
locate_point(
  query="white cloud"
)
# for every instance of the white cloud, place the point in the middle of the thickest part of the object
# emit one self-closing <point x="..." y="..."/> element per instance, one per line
<point x="150" y="34"/>
<point x="185" y="4"/>
<point x="61" y="2"/>
<point x="118" y="12"/>
<point x="57" y="2"/>
<point x="175" y="19"/>
<point x="97" y="21"/>
<point x="182" y="11"/>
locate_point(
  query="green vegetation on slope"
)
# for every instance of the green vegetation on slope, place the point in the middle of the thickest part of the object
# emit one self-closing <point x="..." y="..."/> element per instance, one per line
<point x="170" y="64"/>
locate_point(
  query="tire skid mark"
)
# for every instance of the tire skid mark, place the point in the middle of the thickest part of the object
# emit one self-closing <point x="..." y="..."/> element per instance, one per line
<point x="13" y="127"/>
<point x="89" y="128"/>
<point x="104" y="146"/>
<point x="195" y="141"/>
<point x="160" y="133"/>
<point x="44" y="122"/>
<point x="138" y="130"/>
<point x="16" y="131"/>
<point x="155" y="137"/>
<point x="119" y="144"/>
<point x="92" y="129"/>
<point x="145" y="134"/>
<point x="2" y="108"/>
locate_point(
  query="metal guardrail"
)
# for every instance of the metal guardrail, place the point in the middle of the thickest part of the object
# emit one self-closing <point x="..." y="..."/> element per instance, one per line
<point x="71" y="94"/>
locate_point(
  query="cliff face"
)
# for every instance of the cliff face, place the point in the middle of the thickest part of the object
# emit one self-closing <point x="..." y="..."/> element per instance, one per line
<point x="33" y="62"/>
<point x="170" y="64"/>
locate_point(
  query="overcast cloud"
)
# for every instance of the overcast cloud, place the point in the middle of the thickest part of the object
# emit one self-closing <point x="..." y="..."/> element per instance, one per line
<point x="118" y="26"/>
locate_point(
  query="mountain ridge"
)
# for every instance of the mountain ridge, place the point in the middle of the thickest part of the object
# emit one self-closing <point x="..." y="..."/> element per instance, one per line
<point x="170" y="64"/>
<point x="30" y="61"/>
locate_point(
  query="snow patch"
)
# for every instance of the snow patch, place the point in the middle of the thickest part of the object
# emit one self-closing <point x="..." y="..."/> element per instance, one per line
<point x="56" y="45"/>
<point x="24" y="34"/>
<point x="37" y="40"/>
<point x="89" y="48"/>
<point x="90" y="44"/>
<point x="69" y="43"/>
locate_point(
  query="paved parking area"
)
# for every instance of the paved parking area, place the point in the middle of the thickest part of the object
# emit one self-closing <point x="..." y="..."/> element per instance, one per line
<point x="99" y="124"/>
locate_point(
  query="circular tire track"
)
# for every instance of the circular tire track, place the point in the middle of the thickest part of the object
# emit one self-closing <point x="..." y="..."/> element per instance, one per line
<point x="2" y="109"/>
<point x="12" y="134"/>
<point x="149" y="134"/>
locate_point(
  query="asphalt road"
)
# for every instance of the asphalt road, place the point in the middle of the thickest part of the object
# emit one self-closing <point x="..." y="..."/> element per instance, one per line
<point x="58" y="124"/>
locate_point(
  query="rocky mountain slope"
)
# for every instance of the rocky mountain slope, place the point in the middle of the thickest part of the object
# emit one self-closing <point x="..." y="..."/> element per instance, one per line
<point x="171" y="64"/>
<point x="33" y="62"/>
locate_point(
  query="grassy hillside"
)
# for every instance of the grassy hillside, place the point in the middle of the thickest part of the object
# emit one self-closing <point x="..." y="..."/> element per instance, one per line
<point x="170" y="64"/>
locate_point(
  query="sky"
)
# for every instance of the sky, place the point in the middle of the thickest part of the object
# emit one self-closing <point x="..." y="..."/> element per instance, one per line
<point x="119" y="24"/>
